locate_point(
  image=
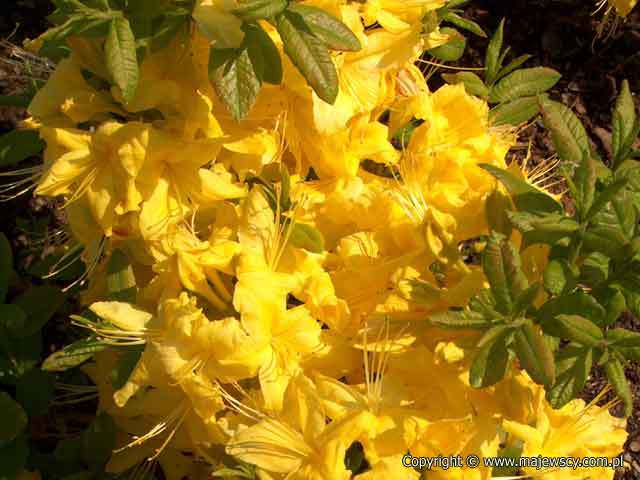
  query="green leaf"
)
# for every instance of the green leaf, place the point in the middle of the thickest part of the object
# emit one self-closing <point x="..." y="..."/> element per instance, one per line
<point x="233" y="74"/>
<point x="534" y="354"/>
<point x="34" y="391"/>
<point x="98" y="441"/>
<point x="126" y="364"/>
<point x="525" y="300"/>
<point x="464" y="23"/>
<point x="525" y="197"/>
<point x="613" y="226"/>
<point x="13" y="458"/>
<point x="121" y="59"/>
<point x="473" y="84"/>
<point x="72" y="355"/>
<point x="39" y="304"/>
<point x="491" y="359"/>
<point x="22" y="101"/>
<point x="497" y="206"/>
<point x="572" y="368"/>
<point x="559" y="276"/>
<point x="453" y="49"/>
<point x="12" y="418"/>
<point x="568" y="135"/>
<point x="578" y="302"/>
<point x="463" y="319"/>
<point x="577" y="329"/>
<point x="583" y="186"/>
<point x="121" y="281"/>
<point x="309" y="54"/>
<point x="252" y="10"/>
<point x="502" y="267"/>
<point x="307" y="237"/>
<point x="623" y="338"/>
<point x="605" y="197"/>
<point x="513" y="65"/>
<point x="6" y="266"/>
<point x="335" y="34"/>
<point x="18" y="145"/>
<point x="615" y="374"/>
<point x="614" y="303"/>
<point x="514" y="113"/>
<point x="492" y="57"/>
<point x="594" y="268"/>
<point x="261" y="46"/>
<point x="625" y="125"/>
<point x="546" y="228"/>
<point x="524" y="83"/>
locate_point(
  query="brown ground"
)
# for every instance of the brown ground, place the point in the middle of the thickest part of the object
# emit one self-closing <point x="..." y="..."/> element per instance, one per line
<point x="558" y="33"/>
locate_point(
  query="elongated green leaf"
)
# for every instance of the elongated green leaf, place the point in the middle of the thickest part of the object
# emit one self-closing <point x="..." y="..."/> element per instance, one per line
<point x="492" y="58"/>
<point x="235" y="79"/>
<point x="121" y="281"/>
<point x="6" y="265"/>
<point x="491" y="359"/>
<point x="12" y="418"/>
<point x="15" y="101"/>
<point x="453" y="49"/>
<point x="625" y="125"/>
<point x="252" y="10"/>
<point x="126" y="364"/>
<point x="616" y="376"/>
<point x="513" y="65"/>
<point x="624" y="338"/>
<point x="524" y="83"/>
<point x="578" y="302"/>
<point x="307" y="237"/>
<point x="309" y="54"/>
<point x="335" y="34"/>
<point x="473" y="84"/>
<point x="19" y="145"/>
<point x="572" y="368"/>
<point x="72" y="355"/>
<point x="546" y="228"/>
<point x="578" y="329"/>
<point x="502" y="267"/>
<point x="583" y="186"/>
<point x="464" y="23"/>
<point x="614" y="303"/>
<point x="19" y="357"/>
<point x="515" y="112"/>
<point x="568" y="134"/>
<point x="559" y="276"/>
<point x="534" y="354"/>
<point x="605" y="197"/>
<point x="497" y="206"/>
<point x="525" y="300"/>
<point x="464" y="319"/>
<point x="121" y="59"/>
<point x="613" y="226"/>
<point x="12" y="322"/>
<point x="526" y="197"/>
<point x="262" y="47"/>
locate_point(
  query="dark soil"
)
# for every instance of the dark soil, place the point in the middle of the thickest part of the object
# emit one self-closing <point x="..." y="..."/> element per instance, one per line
<point x="558" y="33"/>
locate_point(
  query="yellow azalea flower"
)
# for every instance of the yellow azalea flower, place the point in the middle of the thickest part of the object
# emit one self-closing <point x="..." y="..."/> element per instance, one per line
<point x="301" y="446"/>
<point x="67" y="99"/>
<point x="396" y="16"/>
<point x="622" y="7"/>
<point x="576" y="430"/>
<point x="176" y="83"/>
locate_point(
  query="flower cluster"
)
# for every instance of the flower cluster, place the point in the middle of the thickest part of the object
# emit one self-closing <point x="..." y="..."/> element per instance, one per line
<point x="285" y="263"/>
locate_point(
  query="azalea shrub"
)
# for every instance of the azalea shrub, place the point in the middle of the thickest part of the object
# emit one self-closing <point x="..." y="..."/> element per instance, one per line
<point x="293" y="259"/>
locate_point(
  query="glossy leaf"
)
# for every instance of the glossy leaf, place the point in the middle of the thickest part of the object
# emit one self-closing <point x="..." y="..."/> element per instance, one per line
<point x="473" y="84"/>
<point x="492" y="57"/>
<point x="515" y="112"/>
<point x="534" y="354"/>
<point x="502" y="267"/>
<point x="309" y="54"/>
<point x="491" y="358"/>
<point x="524" y="83"/>
<point x="616" y="376"/>
<point x="335" y="34"/>
<point x="121" y="59"/>
<point x="572" y="368"/>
